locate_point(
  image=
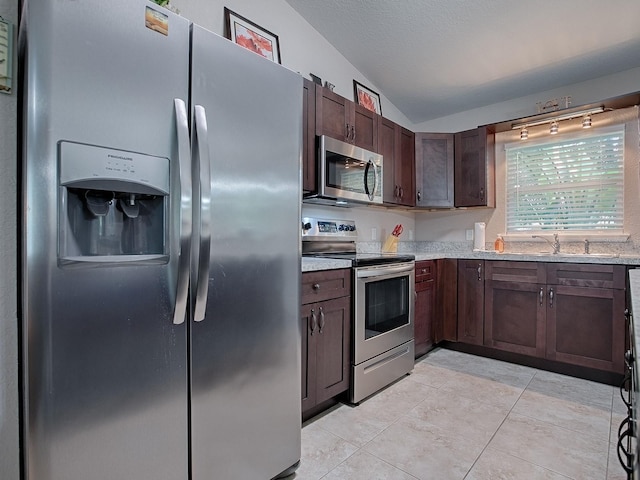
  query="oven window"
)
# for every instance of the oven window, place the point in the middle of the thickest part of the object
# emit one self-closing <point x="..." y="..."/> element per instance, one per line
<point x="387" y="305"/>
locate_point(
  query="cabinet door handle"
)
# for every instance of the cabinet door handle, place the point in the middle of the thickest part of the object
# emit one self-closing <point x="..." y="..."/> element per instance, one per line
<point x="479" y="272"/>
<point x="353" y="134"/>
<point x="551" y="297"/>
<point x="482" y="194"/>
<point x="541" y="295"/>
<point x="401" y="192"/>
<point x="346" y="132"/>
<point x="419" y="195"/>
<point x="314" y="321"/>
<point x="395" y="192"/>
<point x="321" y="324"/>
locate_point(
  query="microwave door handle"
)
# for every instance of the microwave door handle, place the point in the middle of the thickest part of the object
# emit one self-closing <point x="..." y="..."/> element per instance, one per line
<point x="204" y="164"/>
<point x="183" y="225"/>
<point x="371" y="193"/>
<point x="376" y="180"/>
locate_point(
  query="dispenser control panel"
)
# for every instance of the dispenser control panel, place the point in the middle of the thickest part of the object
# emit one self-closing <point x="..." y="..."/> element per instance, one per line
<point x="89" y="166"/>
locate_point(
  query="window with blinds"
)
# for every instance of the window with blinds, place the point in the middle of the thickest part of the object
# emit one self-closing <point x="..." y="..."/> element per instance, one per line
<point x="574" y="184"/>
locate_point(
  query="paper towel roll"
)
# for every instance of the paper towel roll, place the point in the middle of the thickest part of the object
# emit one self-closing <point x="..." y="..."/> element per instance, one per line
<point x="478" y="235"/>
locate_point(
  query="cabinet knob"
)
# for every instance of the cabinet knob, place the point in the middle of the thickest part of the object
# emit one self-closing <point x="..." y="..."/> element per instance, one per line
<point x="316" y="286"/>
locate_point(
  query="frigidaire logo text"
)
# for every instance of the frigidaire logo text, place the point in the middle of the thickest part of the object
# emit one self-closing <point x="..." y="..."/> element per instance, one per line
<point x="120" y="157"/>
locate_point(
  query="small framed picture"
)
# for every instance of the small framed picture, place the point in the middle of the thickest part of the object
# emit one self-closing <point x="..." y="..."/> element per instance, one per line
<point x="367" y="98"/>
<point x="251" y="36"/>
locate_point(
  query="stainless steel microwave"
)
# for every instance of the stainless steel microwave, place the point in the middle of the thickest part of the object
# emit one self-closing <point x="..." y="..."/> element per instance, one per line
<point x="348" y="173"/>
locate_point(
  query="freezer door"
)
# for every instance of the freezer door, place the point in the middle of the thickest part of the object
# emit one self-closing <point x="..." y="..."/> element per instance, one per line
<point x="245" y="352"/>
<point x="105" y="367"/>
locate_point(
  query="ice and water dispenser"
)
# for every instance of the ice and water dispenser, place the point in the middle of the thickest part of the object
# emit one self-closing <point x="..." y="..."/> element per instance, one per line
<point x="114" y="205"/>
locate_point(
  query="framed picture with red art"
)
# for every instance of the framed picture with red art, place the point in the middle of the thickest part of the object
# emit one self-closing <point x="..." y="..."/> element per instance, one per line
<point x="251" y="36"/>
<point x="367" y="97"/>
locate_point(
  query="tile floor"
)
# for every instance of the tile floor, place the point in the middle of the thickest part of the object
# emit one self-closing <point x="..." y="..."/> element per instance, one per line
<point x="459" y="416"/>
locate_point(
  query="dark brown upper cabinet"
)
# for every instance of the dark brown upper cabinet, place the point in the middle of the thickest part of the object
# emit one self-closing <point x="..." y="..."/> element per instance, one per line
<point x="396" y="145"/>
<point x="434" y="170"/>
<point x="474" y="168"/>
<point x="343" y="120"/>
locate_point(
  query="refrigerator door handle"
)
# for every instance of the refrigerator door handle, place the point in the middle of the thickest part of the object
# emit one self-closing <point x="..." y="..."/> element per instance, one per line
<point x="184" y="223"/>
<point x="202" y="143"/>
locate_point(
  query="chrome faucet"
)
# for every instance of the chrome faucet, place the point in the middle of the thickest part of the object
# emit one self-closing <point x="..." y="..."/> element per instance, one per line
<point x="555" y="244"/>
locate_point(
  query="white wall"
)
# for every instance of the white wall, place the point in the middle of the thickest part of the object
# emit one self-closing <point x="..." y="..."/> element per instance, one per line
<point x="9" y="454"/>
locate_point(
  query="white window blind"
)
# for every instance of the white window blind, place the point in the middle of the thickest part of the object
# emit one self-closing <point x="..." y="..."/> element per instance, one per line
<point x="574" y="184"/>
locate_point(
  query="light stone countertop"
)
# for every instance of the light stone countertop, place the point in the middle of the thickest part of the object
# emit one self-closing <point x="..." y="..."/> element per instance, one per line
<point x="313" y="264"/>
<point x="614" y="259"/>
<point x="310" y="264"/>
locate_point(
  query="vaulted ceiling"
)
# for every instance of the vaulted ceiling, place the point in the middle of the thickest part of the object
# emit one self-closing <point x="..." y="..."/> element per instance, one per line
<point x="433" y="58"/>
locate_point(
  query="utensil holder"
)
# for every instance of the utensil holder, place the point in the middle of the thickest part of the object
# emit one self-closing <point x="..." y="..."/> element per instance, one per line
<point x="390" y="244"/>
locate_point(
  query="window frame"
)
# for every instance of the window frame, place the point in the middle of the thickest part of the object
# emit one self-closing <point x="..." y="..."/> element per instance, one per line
<point x="599" y="233"/>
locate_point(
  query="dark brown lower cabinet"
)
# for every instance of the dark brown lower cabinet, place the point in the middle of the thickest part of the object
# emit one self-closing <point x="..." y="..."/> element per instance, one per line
<point x="425" y="306"/>
<point x="326" y="341"/>
<point x="585" y="315"/>
<point x="446" y="316"/>
<point x="515" y="306"/>
<point x="568" y="313"/>
<point x="471" y="301"/>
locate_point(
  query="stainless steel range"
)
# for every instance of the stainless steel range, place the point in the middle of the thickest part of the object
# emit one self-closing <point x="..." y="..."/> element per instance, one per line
<point x="383" y="307"/>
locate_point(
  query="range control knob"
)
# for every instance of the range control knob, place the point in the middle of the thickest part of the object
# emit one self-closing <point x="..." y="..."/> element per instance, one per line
<point x="306" y="226"/>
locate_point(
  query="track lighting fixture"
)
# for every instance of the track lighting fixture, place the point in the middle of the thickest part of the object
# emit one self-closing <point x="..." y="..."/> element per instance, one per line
<point x="553" y="121"/>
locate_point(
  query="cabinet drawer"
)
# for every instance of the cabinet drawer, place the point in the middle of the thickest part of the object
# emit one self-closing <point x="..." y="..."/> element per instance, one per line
<point x="586" y="275"/>
<point x="326" y="284"/>
<point x="425" y="271"/>
<point x="519" y="272"/>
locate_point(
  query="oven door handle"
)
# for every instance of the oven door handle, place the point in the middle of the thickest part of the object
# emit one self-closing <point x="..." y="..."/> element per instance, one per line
<point x="383" y="271"/>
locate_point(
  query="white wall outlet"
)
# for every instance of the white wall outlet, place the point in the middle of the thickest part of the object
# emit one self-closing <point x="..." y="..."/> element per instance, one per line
<point x="374" y="233"/>
<point x="469" y="234"/>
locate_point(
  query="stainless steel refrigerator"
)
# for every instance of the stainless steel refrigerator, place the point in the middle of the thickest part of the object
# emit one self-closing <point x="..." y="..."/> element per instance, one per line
<point x="160" y="248"/>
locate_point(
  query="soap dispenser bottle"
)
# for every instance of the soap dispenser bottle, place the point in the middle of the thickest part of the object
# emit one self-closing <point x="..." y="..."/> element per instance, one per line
<point x="499" y="244"/>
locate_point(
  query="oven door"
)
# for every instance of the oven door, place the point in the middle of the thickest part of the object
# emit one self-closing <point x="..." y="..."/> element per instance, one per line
<point x="383" y="309"/>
